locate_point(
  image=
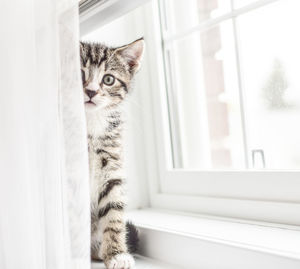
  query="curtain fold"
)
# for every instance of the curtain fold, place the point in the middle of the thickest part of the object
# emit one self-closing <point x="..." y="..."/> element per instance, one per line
<point x="44" y="185"/>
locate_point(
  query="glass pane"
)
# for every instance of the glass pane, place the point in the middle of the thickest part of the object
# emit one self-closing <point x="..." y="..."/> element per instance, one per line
<point x="270" y="43"/>
<point x="206" y="124"/>
<point x="242" y="3"/>
<point x="183" y="14"/>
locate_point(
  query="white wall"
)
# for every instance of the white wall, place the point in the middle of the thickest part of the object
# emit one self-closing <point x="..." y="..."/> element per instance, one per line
<point x="120" y="32"/>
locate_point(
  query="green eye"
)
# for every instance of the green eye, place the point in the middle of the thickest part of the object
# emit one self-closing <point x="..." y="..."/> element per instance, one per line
<point x="108" y="80"/>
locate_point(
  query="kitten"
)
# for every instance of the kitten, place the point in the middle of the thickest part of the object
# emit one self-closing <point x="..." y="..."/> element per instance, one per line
<point x="106" y="75"/>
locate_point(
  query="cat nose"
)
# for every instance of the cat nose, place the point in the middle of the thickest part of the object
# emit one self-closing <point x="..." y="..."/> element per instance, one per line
<point x="90" y="93"/>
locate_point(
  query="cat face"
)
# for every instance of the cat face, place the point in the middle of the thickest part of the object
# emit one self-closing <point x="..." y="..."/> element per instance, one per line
<point x="107" y="73"/>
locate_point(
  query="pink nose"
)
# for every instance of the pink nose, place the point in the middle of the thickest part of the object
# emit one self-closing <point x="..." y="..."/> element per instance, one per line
<point x="92" y="86"/>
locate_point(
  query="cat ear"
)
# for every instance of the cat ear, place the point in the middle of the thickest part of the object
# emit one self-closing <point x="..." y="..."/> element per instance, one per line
<point x="133" y="54"/>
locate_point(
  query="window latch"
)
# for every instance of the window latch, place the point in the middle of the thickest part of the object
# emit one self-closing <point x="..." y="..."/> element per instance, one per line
<point x="258" y="159"/>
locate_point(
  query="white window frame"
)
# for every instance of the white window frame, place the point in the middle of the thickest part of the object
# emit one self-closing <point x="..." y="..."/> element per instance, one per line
<point x="271" y="196"/>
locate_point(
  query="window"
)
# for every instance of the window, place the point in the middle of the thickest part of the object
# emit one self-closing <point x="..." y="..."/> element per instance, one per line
<point x="227" y="123"/>
<point x="233" y="83"/>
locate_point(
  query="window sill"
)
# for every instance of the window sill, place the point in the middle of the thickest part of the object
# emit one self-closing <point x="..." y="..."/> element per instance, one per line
<point x="140" y="262"/>
<point x="195" y="241"/>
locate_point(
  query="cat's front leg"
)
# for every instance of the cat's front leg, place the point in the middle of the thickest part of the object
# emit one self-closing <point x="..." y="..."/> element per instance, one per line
<point x="113" y="248"/>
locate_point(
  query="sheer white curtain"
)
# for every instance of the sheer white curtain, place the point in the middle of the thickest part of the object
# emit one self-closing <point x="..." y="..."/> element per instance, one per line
<point x="44" y="189"/>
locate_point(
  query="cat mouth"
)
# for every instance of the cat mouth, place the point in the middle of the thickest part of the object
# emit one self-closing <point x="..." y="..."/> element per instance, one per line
<point x="90" y="103"/>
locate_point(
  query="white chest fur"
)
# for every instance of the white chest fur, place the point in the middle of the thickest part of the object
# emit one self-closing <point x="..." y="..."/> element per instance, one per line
<point x="96" y="126"/>
<point x="96" y="122"/>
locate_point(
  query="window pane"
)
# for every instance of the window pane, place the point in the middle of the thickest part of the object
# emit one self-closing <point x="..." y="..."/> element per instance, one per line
<point x="183" y="14"/>
<point x="206" y="121"/>
<point x="270" y="43"/>
<point x="241" y="3"/>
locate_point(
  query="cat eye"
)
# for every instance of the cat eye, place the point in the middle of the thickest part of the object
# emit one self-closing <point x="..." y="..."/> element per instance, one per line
<point x="108" y="80"/>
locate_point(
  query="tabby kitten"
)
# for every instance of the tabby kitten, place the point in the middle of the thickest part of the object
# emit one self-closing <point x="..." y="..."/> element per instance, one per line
<point x="106" y="75"/>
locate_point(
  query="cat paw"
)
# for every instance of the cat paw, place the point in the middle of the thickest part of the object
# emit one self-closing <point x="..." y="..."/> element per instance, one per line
<point x="121" y="261"/>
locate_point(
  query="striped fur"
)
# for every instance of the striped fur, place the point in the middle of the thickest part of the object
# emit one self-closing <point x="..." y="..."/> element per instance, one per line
<point x="103" y="103"/>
